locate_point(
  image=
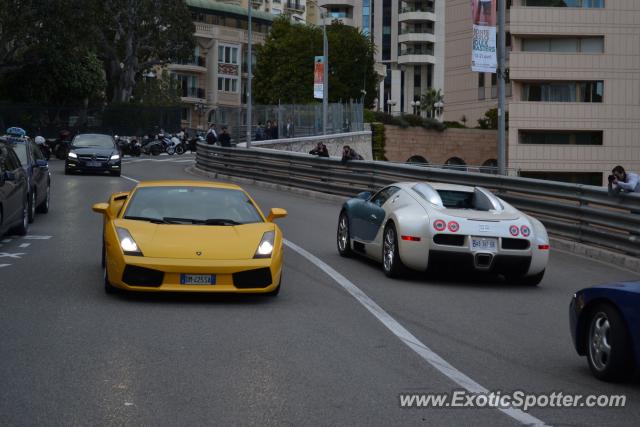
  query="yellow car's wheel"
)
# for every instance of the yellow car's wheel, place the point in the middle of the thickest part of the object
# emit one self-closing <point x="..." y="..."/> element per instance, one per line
<point x="108" y="288"/>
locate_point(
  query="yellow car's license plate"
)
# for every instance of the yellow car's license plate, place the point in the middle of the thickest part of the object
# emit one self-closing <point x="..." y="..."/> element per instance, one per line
<point x="197" y="279"/>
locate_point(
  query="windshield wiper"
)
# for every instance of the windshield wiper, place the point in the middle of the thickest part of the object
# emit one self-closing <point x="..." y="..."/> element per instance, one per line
<point x="145" y="218"/>
<point x="176" y="220"/>
<point x="221" y="221"/>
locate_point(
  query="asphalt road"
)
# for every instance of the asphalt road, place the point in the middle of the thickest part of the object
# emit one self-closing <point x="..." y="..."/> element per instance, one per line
<point x="72" y="355"/>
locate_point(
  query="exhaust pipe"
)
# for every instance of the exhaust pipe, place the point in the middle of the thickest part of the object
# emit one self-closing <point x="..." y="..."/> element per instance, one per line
<point x="483" y="261"/>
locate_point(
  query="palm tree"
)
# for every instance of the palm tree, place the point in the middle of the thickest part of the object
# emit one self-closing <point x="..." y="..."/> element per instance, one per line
<point x="429" y="98"/>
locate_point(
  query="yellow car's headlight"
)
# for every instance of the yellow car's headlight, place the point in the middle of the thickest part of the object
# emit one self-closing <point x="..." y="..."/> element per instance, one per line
<point x="128" y="245"/>
<point x="265" y="248"/>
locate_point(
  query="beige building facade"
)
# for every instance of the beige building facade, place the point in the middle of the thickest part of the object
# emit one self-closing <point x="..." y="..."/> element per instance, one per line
<point x="575" y="107"/>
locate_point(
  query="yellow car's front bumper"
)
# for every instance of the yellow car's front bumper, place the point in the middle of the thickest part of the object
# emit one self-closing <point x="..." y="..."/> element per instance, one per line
<point x="135" y="273"/>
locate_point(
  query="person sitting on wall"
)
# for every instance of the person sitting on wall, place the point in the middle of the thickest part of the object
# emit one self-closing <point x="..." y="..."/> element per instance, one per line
<point x="349" y="153"/>
<point x="620" y="180"/>
<point x="225" y="138"/>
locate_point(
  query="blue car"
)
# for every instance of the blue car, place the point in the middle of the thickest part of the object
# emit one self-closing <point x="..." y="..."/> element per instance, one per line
<point x="36" y="168"/>
<point x="605" y="327"/>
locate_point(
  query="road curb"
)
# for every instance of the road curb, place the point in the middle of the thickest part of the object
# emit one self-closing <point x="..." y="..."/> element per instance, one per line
<point x="303" y="192"/>
<point x="619" y="260"/>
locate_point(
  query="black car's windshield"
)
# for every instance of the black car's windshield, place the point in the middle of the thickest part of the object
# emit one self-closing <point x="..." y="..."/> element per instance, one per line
<point x="192" y="205"/>
<point x="21" y="152"/>
<point x="93" y="140"/>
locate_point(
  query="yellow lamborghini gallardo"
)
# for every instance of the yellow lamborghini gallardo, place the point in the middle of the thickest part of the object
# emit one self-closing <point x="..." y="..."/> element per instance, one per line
<point x="189" y="236"/>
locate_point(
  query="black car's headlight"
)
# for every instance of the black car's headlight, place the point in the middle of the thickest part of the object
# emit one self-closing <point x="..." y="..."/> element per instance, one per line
<point x="128" y="245"/>
<point x="72" y="155"/>
<point x="265" y="248"/>
<point x="115" y="157"/>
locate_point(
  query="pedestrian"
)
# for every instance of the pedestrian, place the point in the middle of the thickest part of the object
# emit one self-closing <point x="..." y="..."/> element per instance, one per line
<point x="289" y="128"/>
<point x="621" y="180"/>
<point x="225" y="138"/>
<point x="259" y="132"/>
<point x="320" y="150"/>
<point x="212" y="136"/>
<point x="267" y="130"/>
<point x="349" y="154"/>
<point x="274" y="130"/>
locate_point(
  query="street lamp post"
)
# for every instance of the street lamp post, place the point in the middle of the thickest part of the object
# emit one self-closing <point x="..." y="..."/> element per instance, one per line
<point x="416" y="106"/>
<point x="325" y="74"/>
<point x="439" y="105"/>
<point x="390" y="103"/>
<point x="249" y="76"/>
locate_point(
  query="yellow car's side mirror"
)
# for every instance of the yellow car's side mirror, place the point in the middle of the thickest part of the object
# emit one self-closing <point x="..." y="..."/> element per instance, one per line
<point x="276" y="213"/>
<point x="100" y="208"/>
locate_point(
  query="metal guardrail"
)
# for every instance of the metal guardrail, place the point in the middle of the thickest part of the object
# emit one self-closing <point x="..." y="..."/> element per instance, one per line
<point x="577" y="212"/>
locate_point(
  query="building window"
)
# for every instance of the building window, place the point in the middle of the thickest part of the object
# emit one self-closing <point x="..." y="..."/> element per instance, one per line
<point x="586" y="178"/>
<point x="226" y="84"/>
<point x="591" y="91"/>
<point x="564" y="45"/>
<point x="227" y="54"/>
<point x="560" y="137"/>
<point x="481" y="94"/>
<point x="494" y="85"/>
<point x="595" y="4"/>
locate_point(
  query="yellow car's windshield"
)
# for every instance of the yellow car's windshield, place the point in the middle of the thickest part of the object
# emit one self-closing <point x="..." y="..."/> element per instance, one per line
<point x="192" y="205"/>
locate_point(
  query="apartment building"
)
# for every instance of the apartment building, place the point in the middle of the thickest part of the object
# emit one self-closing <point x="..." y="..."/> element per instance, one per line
<point x="295" y="9"/>
<point x="214" y="81"/>
<point x="409" y="38"/>
<point x="575" y="106"/>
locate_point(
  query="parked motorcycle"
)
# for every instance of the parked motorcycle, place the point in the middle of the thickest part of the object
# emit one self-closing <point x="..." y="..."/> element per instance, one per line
<point x="60" y="146"/>
<point x="151" y="146"/>
<point x="44" y="148"/>
<point x="128" y="146"/>
<point x="174" y="145"/>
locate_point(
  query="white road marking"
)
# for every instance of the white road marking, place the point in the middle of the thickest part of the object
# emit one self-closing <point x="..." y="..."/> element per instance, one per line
<point x="130" y="179"/>
<point x="6" y="240"/>
<point x="4" y="265"/>
<point x="16" y="255"/>
<point x="33" y="237"/>
<point x="409" y="339"/>
<point x="25" y="245"/>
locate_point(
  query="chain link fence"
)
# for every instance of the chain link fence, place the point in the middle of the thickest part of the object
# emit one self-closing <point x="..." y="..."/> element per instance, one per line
<point x="289" y="121"/>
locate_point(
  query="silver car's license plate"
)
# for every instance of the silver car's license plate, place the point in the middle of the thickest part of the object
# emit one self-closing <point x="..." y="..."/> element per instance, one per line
<point x="197" y="279"/>
<point x="484" y="244"/>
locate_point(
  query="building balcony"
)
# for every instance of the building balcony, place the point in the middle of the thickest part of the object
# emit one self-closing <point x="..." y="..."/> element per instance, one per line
<point x="409" y="36"/>
<point x="344" y="20"/>
<point x="294" y="6"/>
<point x="416" y="56"/>
<point x="337" y="3"/>
<point x="199" y="65"/>
<point x="193" y="94"/>
<point x="415" y="13"/>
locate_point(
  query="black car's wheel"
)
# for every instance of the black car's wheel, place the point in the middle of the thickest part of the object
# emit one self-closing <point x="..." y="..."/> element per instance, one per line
<point x="44" y="206"/>
<point x="32" y="205"/>
<point x="391" y="262"/>
<point x="532" y="280"/>
<point x="179" y="150"/>
<point x="609" y="350"/>
<point x="343" y="236"/>
<point x="22" y="229"/>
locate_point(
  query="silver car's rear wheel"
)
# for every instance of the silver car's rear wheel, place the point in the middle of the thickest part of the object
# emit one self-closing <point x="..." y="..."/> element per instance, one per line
<point x="391" y="262"/>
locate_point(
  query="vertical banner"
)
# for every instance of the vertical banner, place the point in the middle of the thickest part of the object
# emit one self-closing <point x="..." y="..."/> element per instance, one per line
<point x="318" y="77"/>
<point x="484" y="57"/>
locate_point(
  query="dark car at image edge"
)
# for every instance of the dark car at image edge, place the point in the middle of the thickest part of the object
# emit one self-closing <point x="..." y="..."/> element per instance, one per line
<point x="13" y="193"/>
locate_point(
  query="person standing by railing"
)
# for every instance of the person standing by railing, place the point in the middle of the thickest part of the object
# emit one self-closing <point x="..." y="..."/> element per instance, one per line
<point x="621" y="180"/>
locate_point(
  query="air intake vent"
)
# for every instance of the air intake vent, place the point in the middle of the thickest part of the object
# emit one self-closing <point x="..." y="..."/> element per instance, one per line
<point x="258" y="278"/>
<point x="140" y="276"/>
<point x="448" y="239"/>
<point x="515" y="244"/>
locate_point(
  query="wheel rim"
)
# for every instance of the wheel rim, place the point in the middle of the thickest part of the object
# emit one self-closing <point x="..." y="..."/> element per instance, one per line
<point x="25" y="217"/>
<point x="343" y="233"/>
<point x="599" y="347"/>
<point x="32" y="208"/>
<point x="46" y="202"/>
<point x="389" y="248"/>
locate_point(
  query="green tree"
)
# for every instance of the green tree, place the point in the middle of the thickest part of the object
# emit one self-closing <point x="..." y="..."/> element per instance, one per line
<point x="133" y="36"/>
<point x="428" y="99"/>
<point x="18" y="30"/>
<point x="163" y="91"/>
<point x="490" y="120"/>
<point x="284" y="69"/>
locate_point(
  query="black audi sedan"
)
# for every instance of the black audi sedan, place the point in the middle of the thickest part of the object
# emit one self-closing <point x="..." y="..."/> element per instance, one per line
<point x="13" y="193"/>
<point x="93" y="152"/>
